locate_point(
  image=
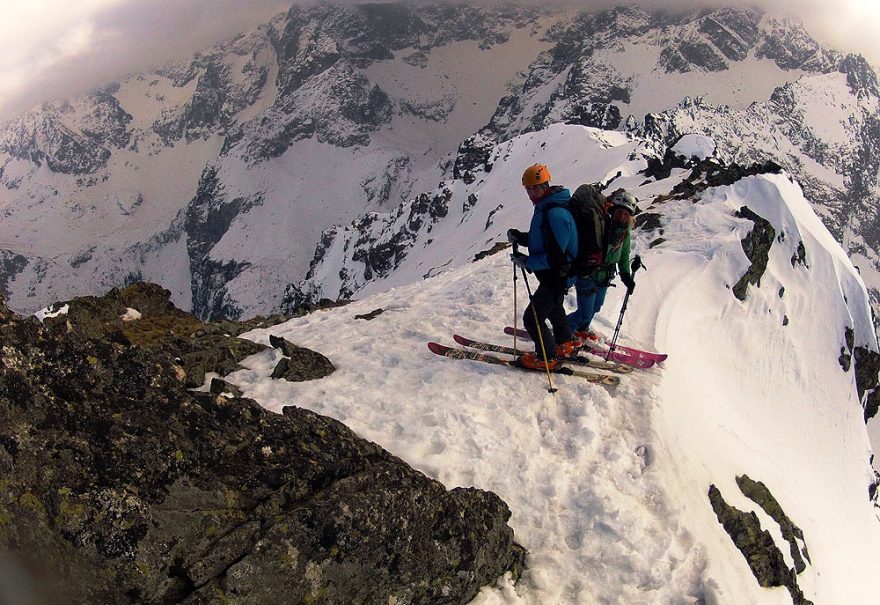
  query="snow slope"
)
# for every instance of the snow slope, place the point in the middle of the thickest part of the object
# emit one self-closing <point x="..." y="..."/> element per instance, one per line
<point x="608" y="488"/>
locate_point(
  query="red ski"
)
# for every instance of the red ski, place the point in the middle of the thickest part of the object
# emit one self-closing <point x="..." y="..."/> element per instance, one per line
<point x="610" y="366"/>
<point x="622" y="354"/>
<point x="454" y="353"/>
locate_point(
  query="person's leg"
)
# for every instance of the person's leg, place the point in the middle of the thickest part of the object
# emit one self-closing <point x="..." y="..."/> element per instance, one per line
<point x="598" y="301"/>
<point x="544" y="300"/>
<point x="587" y="293"/>
<point x="559" y="320"/>
<point x="530" y="324"/>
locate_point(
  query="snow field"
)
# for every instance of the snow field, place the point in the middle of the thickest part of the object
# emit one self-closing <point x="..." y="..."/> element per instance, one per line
<point x="608" y="489"/>
<point x="574" y="467"/>
<point x="745" y="395"/>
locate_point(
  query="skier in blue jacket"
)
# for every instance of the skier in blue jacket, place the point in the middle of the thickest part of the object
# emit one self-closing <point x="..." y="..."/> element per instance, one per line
<point x="552" y="243"/>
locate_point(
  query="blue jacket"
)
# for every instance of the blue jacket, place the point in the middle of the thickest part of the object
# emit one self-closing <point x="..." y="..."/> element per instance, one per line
<point x="564" y="229"/>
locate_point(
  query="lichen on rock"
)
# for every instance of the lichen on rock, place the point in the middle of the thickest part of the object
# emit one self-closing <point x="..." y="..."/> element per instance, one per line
<point x="122" y="485"/>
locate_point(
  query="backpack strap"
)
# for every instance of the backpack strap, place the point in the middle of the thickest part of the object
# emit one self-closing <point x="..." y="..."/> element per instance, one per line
<point x="558" y="257"/>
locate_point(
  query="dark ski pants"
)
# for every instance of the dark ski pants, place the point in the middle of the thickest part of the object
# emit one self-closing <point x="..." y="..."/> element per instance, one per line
<point x="547" y="303"/>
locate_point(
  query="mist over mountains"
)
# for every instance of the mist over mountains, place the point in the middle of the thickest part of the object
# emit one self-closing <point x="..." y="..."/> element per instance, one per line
<point x="227" y="176"/>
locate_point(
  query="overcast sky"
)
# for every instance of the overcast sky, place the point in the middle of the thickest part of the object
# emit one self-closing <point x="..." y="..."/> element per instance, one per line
<point x="53" y="49"/>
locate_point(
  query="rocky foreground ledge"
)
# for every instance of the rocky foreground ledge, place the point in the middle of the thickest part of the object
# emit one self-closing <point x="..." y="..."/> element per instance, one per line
<point x="120" y="484"/>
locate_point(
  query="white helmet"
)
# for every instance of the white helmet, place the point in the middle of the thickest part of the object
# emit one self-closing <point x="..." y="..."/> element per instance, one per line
<point x="625" y="200"/>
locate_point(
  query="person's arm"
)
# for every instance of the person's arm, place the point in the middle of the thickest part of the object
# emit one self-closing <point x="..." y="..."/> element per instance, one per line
<point x="563" y="229"/>
<point x="623" y="265"/>
<point x="623" y="262"/>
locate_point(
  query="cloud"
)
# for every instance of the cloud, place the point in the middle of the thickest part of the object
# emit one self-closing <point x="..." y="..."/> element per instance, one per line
<point x="55" y="49"/>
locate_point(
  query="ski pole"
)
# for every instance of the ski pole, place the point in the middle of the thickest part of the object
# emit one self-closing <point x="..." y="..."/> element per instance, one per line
<point x="515" y="312"/>
<point x="552" y="389"/>
<point x="636" y="265"/>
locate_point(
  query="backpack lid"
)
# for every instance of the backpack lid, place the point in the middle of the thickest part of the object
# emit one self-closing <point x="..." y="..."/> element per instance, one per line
<point x="589" y="196"/>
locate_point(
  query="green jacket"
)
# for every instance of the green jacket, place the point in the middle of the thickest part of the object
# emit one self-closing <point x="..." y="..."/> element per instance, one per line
<point x="617" y="252"/>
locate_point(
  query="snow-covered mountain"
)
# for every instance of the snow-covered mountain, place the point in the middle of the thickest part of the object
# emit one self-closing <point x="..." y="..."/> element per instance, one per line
<point x="747" y="444"/>
<point x="227" y="167"/>
<point x="229" y="176"/>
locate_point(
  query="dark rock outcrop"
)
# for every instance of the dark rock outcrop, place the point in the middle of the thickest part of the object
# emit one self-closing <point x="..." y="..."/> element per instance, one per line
<point x="710" y="172"/>
<point x="371" y="315"/>
<point x="299" y="363"/>
<point x="660" y="169"/>
<point x="649" y="221"/>
<point x="120" y="485"/>
<point x="756" y="545"/>
<point x="195" y="346"/>
<point x="473" y="156"/>
<point x="846" y="351"/>
<point x="800" y="257"/>
<point x="867" y="367"/>
<point x="756" y="244"/>
<point x="11" y="264"/>
<point x="760" y="494"/>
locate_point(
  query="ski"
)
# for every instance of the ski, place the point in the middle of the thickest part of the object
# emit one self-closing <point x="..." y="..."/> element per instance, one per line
<point x="454" y="353"/>
<point x="621" y="352"/>
<point x="578" y="359"/>
<point x="600" y="351"/>
<point x="658" y="357"/>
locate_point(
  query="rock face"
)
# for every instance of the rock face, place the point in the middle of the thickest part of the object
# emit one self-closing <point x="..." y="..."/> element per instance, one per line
<point x="756" y="245"/>
<point x="121" y="485"/>
<point x="764" y="557"/>
<point x="376" y="246"/>
<point x="578" y="82"/>
<point x="207" y="219"/>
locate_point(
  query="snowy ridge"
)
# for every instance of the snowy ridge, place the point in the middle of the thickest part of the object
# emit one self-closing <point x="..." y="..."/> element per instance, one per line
<point x="609" y="489"/>
<point x="328" y="114"/>
<point x="457" y="221"/>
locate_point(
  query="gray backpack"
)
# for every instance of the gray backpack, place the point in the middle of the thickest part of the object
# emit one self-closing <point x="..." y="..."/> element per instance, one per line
<point x="588" y="208"/>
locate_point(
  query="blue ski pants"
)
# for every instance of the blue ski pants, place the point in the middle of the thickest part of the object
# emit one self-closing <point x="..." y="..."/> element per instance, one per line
<point x="590" y="298"/>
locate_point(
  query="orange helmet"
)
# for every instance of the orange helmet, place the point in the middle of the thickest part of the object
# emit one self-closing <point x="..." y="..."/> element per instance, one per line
<point x="536" y="174"/>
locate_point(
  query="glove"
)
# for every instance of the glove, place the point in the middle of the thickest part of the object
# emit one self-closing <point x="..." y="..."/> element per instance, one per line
<point x="628" y="281"/>
<point x="515" y="236"/>
<point x="519" y="259"/>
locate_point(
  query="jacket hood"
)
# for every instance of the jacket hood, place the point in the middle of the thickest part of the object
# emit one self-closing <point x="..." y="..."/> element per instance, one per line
<point x="557" y="194"/>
